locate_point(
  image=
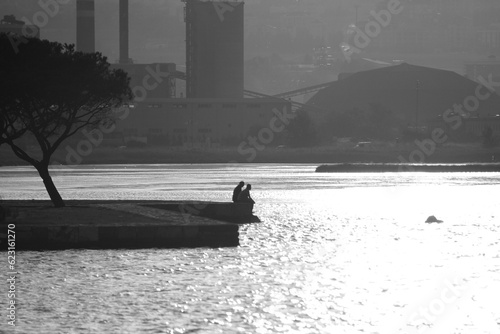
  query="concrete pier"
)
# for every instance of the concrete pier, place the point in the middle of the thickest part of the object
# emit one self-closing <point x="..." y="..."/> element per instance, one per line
<point x="120" y="224"/>
<point x="239" y="213"/>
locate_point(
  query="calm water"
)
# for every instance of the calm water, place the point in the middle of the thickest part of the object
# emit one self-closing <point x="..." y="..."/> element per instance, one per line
<point x="345" y="253"/>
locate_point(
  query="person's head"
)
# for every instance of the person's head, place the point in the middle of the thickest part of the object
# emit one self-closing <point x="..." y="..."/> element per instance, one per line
<point x="249" y="186"/>
<point x="241" y="184"/>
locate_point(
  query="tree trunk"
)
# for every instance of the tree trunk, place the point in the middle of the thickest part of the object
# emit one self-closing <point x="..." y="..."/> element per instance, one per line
<point x="56" y="199"/>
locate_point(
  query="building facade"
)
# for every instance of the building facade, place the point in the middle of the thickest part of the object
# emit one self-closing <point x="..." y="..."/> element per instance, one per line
<point x="482" y="70"/>
<point x="177" y="122"/>
<point x="442" y="25"/>
<point x="9" y="24"/>
<point x="474" y="126"/>
<point x="155" y="80"/>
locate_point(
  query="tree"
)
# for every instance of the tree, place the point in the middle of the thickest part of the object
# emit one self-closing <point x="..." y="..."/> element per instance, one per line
<point x="50" y="91"/>
<point x="7" y="120"/>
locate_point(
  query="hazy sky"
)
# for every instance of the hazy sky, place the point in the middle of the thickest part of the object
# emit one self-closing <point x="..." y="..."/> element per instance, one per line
<point x="154" y="24"/>
<point x="157" y="27"/>
<point x="157" y="31"/>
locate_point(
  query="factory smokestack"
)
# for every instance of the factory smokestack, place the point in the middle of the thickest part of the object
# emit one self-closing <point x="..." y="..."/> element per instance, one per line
<point x="124" y="58"/>
<point x="85" y="25"/>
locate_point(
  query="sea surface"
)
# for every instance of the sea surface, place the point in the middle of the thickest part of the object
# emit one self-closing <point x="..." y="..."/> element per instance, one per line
<point x="335" y="253"/>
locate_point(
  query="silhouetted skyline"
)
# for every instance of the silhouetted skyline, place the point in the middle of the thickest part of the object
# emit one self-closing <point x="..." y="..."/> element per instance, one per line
<point x="157" y="29"/>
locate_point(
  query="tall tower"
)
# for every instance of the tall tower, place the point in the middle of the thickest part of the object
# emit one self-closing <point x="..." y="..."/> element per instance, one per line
<point x="124" y="57"/>
<point x="85" y="25"/>
<point x="214" y="49"/>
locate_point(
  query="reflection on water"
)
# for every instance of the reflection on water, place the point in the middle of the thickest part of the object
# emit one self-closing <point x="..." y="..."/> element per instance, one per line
<point x="335" y="254"/>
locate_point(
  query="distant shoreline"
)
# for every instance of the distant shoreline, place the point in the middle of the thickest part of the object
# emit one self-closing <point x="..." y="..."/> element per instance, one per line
<point x="398" y="168"/>
<point x="375" y="153"/>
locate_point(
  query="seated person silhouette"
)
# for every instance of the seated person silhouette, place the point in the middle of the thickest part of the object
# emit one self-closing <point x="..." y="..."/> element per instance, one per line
<point x="244" y="196"/>
<point x="237" y="191"/>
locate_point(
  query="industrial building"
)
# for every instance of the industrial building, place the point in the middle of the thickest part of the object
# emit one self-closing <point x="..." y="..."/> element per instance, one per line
<point x="484" y="70"/>
<point x="205" y="122"/>
<point x="420" y="97"/>
<point x="9" y="24"/>
<point x="214" y="110"/>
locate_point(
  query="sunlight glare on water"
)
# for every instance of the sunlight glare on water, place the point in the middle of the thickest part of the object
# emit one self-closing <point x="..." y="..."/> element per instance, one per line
<point x="335" y="253"/>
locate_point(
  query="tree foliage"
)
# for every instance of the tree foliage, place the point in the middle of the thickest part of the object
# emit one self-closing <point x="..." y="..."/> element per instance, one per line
<point x="50" y="91"/>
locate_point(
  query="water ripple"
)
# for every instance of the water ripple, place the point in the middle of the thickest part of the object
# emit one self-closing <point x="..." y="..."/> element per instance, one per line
<point x="334" y="254"/>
